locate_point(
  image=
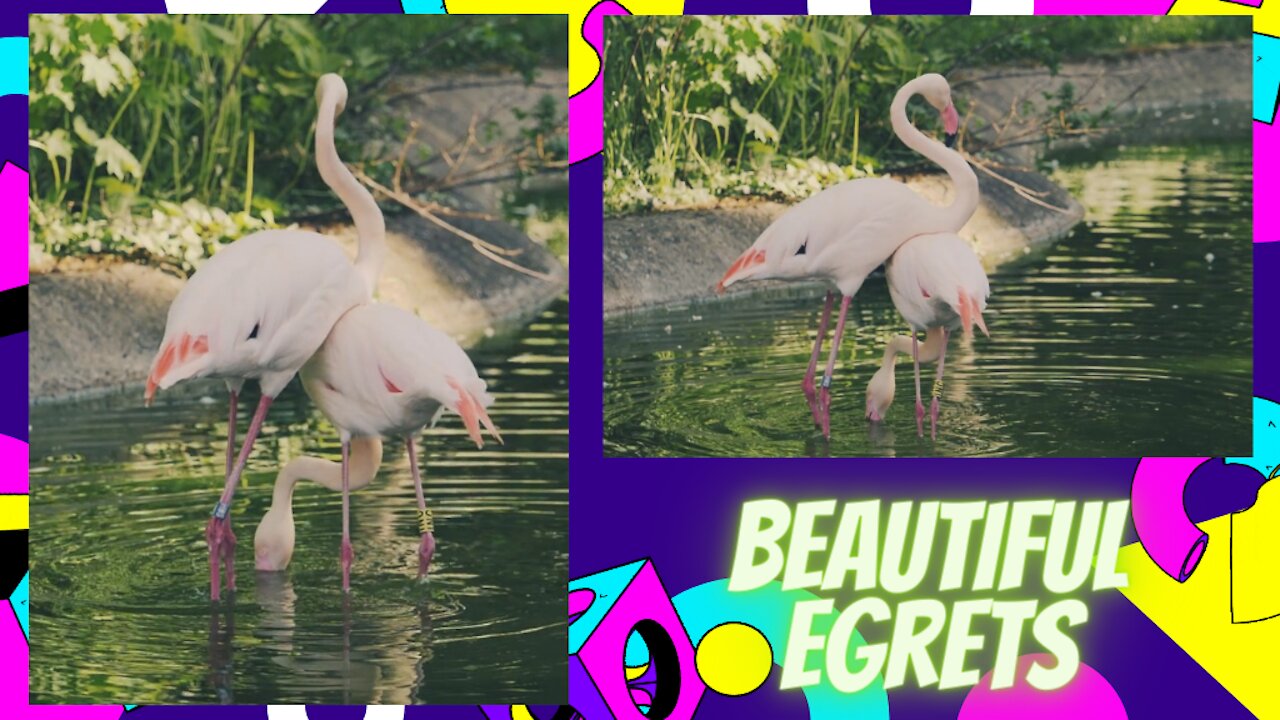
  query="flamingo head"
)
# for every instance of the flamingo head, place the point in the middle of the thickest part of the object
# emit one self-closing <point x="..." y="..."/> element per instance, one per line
<point x="772" y="256"/>
<point x="880" y="393"/>
<point x="273" y="541"/>
<point x="748" y="265"/>
<point x="937" y="92"/>
<point x="332" y="84"/>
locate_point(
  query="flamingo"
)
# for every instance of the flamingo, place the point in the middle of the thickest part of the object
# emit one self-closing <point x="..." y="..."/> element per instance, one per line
<point x="273" y="540"/>
<point x="844" y="232"/>
<point x="938" y="285"/>
<point x="382" y="371"/>
<point x="259" y="308"/>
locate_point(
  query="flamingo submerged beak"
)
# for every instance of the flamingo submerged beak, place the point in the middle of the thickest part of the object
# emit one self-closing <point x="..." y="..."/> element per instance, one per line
<point x="950" y="123"/>
<point x="752" y="258"/>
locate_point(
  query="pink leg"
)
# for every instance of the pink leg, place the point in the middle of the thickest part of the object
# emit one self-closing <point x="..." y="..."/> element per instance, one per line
<point x="231" y="431"/>
<point x="229" y="545"/>
<point x="824" y="393"/>
<point x="426" y="524"/>
<point x="218" y="532"/>
<point x="809" y="391"/>
<point x="347" y="554"/>
<point x="915" y="358"/>
<point x="937" y="387"/>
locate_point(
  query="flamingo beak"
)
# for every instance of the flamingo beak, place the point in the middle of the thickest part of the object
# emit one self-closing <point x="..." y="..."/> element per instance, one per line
<point x="950" y="123"/>
<point x="749" y="260"/>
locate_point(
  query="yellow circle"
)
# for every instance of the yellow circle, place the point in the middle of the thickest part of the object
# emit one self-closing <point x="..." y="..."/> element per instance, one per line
<point x="733" y="659"/>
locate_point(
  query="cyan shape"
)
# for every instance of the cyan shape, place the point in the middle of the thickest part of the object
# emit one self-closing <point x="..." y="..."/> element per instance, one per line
<point x="423" y="7"/>
<point x="13" y="66"/>
<point x="1266" y="434"/>
<point x="18" y="601"/>
<point x="1266" y="79"/>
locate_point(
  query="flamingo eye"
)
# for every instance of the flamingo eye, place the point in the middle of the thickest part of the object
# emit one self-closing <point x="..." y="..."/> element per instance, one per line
<point x="803" y="247"/>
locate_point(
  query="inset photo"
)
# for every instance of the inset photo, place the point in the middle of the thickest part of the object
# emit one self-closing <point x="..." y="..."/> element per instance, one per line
<point x="299" y="359"/>
<point x="928" y="236"/>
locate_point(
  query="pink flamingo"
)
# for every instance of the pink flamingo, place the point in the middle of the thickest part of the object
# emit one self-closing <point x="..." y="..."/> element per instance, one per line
<point x="937" y="284"/>
<point x="844" y="232"/>
<point x="259" y="308"/>
<point x="382" y="371"/>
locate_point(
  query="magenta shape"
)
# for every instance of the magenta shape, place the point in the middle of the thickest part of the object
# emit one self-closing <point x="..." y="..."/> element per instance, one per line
<point x="14" y="466"/>
<point x="586" y="109"/>
<point x="645" y="601"/>
<point x="579" y="601"/>
<point x="1103" y="7"/>
<point x="1172" y="541"/>
<point x="1088" y="695"/>
<point x="13" y="680"/>
<point x="1266" y="175"/>
<point x="13" y="231"/>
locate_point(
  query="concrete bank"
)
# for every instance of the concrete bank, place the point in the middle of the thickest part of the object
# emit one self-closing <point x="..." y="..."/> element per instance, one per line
<point x="1164" y="95"/>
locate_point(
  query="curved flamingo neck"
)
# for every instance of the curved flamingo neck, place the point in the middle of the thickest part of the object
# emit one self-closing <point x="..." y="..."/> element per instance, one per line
<point x="901" y="345"/>
<point x="366" y="457"/>
<point x="955" y="215"/>
<point x="370" y="226"/>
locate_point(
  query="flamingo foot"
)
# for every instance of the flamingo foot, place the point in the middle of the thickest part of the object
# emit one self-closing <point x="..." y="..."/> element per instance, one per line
<point x="426" y="551"/>
<point x="348" y="557"/>
<point x="933" y="419"/>
<point x="222" y="542"/>
<point x="920" y="418"/>
<point x="811" y="397"/>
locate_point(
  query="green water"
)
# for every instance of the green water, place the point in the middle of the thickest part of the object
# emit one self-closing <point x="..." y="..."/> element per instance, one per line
<point x="1131" y="337"/>
<point x="120" y="608"/>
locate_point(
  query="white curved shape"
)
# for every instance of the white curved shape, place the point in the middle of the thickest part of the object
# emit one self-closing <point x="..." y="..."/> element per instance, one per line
<point x="839" y="7"/>
<point x="1002" y="7"/>
<point x="299" y="712"/>
<point x="288" y="7"/>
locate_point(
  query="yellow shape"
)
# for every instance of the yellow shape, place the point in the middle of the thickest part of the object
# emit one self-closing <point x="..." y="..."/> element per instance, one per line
<point x="733" y="659"/>
<point x="1197" y="616"/>
<point x="584" y="63"/>
<point x="14" y="512"/>
<point x="1266" y="19"/>
<point x="521" y="712"/>
<point x="1255" y="558"/>
<point x="637" y="671"/>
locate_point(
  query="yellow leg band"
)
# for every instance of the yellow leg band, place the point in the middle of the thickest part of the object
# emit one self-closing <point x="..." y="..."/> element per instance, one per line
<point x="937" y="388"/>
<point x="426" y="522"/>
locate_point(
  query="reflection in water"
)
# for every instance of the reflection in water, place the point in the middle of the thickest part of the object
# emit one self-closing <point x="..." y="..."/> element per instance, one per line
<point x="1131" y="337"/>
<point x="120" y="604"/>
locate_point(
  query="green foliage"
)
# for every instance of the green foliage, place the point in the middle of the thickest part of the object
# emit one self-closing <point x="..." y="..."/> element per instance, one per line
<point x="702" y="107"/>
<point x="144" y="113"/>
<point x="171" y="235"/>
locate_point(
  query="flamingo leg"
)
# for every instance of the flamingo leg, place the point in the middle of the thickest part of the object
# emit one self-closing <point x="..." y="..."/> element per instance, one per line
<point x="915" y="359"/>
<point x="937" y="386"/>
<point x="824" y="393"/>
<point x="426" y="523"/>
<point x="222" y="542"/>
<point x="810" y="392"/>
<point x="228" y="555"/>
<point x="347" y="554"/>
<point x="231" y="430"/>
